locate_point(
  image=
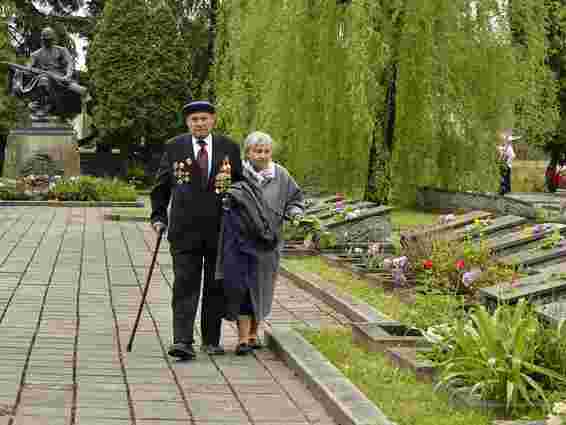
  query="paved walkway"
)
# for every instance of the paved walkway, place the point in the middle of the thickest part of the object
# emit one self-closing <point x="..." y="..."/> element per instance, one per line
<point x="70" y="286"/>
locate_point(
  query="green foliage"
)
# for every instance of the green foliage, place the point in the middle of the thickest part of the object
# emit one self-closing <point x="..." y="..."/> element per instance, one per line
<point x="303" y="78"/>
<point x="139" y="71"/>
<point x="459" y="81"/>
<point x="552" y="241"/>
<point x="310" y="230"/>
<point x="316" y="79"/>
<point x="87" y="188"/>
<point x="495" y="355"/>
<point x="8" y="109"/>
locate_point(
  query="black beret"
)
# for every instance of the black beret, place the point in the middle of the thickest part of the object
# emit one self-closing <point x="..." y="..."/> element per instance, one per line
<point x="198" y="106"/>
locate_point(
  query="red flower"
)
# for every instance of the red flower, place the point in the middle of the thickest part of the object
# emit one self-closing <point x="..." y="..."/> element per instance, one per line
<point x="460" y="264"/>
<point x="427" y="264"/>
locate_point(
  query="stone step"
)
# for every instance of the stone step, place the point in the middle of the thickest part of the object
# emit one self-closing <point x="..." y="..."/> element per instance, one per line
<point x="546" y="285"/>
<point x="459" y="222"/>
<point x="496" y="227"/>
<point x="532" y="257"/>
<point x="511" y="240"/>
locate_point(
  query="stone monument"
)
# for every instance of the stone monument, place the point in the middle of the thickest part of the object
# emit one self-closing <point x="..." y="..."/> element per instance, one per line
<point x="46" y="144"/>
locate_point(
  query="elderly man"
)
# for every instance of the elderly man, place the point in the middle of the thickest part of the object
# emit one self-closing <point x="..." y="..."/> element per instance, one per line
<point x="190" y="170"/>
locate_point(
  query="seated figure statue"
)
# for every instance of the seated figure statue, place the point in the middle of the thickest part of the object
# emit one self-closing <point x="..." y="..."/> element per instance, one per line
<point x="47" y="81"/>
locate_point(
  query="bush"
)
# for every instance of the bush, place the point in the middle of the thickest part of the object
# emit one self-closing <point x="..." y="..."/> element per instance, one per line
<point x="461" y="266"/>
<point x="87" y="188"/>
<point x="501" y="357"/>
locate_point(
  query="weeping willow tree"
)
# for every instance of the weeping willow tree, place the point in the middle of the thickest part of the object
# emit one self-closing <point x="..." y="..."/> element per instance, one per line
<point x="299" y="70"/>
<point x="461" y="78"/>
<point x="396" y="94"/>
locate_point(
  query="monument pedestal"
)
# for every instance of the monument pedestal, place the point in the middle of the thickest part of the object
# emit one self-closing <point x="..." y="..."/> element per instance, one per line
<point x="47" y="148"/>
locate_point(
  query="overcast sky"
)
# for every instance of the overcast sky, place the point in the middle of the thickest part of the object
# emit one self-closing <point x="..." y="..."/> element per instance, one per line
<point x="80" y="43"/>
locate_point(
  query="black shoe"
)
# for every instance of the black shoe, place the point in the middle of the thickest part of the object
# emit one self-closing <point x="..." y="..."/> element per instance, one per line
<point x="255" y="343"/>
<point x="182" y="351"/>
<point x="243" y="349"/>
<point x="213" y="350"/>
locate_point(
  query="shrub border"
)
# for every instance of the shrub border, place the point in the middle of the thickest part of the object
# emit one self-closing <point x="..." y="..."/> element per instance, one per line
<point x="78" y="204"/>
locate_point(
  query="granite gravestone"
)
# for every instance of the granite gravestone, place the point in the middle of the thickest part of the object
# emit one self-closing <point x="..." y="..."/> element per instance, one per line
<point x="46" y="143"/>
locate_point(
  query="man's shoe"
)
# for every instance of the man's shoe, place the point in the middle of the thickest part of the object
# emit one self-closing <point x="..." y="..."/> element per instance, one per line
<point x="213" y="350"/>
<point x="182" y="351"/>
<point x="243" y="349"/>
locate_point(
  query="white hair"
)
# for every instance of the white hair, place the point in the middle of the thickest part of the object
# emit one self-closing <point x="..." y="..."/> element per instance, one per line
<point x="257" y="138"/>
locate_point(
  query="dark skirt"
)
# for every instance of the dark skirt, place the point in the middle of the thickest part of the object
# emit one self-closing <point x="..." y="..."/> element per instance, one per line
<point x="240" y="269"/>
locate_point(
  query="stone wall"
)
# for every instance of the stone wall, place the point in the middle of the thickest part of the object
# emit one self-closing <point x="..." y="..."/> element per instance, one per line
<point x="431" y="198"/>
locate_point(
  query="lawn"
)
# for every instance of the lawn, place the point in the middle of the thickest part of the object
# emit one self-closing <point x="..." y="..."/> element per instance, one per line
<point x="402" y="219"/>
<point x="396" y="392"/>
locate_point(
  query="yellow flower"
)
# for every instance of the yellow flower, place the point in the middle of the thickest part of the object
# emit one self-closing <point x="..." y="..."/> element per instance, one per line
<point x="553" y="420"/>
<point x="560" y="408"/>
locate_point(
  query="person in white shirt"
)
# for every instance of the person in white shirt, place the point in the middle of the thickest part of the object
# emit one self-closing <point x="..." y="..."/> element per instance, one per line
<point x="506" y="155"/>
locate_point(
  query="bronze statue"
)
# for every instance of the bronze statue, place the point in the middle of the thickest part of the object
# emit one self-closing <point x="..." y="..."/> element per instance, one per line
<point x="47" y="81"/>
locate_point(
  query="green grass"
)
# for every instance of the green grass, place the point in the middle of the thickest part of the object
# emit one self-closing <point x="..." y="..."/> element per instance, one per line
<point x="404" y="218"/>
<point x="396" y="392"/>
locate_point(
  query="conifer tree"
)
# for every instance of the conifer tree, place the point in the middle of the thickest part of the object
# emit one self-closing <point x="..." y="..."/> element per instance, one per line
<point x="8" y="108"/>
<point x="139" y="71"/>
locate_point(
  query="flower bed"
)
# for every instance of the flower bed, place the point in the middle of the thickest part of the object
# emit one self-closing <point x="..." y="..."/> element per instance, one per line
<point x="57" y="188"/>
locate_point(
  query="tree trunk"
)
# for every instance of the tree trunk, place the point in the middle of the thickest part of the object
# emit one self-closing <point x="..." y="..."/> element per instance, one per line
<point x="213" y="14"/>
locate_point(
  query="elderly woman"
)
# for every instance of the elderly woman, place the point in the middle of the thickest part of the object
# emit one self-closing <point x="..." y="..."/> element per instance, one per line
<point x="251" y="244"/>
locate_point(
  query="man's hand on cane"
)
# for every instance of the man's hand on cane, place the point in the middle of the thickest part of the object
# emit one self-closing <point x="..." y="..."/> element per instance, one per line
<point x="159" y="227"/>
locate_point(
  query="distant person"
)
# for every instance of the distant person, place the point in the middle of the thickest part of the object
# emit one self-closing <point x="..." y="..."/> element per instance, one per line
<point x="187" y="177"/>
<point x="506" y="155"/>
<point x="252" y="237"/>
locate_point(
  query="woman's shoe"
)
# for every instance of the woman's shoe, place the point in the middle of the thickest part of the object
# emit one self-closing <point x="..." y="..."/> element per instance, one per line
<point x="242" y="349"/>
<point x="255" y="343"/>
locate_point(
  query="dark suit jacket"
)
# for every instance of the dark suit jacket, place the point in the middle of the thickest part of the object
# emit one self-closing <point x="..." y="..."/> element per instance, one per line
<point x="194" y="220"/>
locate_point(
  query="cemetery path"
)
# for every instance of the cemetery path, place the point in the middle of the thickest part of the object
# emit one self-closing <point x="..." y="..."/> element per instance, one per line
<point x="70" y="287"/>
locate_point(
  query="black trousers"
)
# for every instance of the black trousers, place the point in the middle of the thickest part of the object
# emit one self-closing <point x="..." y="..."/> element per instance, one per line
<point x="188" y="267"/>
<point x="505" y="182"/>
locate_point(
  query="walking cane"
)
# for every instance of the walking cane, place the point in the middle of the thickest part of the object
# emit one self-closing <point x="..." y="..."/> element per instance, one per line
<point x="150" y="272"/>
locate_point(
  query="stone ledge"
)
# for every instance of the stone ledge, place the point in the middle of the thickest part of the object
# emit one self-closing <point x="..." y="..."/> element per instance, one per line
<point x="75" y="204"/>
<point x="342" y="399"/>
<point x="118" y="217"/>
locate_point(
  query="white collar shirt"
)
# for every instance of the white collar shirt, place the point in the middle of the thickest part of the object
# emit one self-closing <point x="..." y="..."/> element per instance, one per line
<point x="196" y="149"/>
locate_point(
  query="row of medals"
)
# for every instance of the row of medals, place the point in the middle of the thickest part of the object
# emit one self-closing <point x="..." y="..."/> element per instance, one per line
<point x="183" y="173"/>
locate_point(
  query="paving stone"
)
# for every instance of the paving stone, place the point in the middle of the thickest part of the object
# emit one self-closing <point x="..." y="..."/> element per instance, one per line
<point x="271" y="407"/>
<point x="215" y="407"/>
<point x="158" y="386"/>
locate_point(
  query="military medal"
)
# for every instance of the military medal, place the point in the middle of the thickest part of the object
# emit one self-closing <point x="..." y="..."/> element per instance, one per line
<point x="182" y="171"/>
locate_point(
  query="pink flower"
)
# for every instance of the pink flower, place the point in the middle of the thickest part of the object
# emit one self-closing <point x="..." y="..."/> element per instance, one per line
<point x="427" y="264"/>
<point x="460" y="264"/>
<point x="468" y="278"/>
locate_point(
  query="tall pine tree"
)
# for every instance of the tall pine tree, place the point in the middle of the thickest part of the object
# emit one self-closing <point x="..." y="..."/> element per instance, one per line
<point x="139" y="72"/>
